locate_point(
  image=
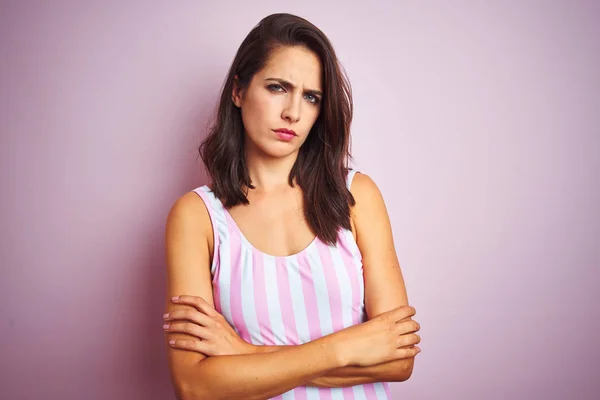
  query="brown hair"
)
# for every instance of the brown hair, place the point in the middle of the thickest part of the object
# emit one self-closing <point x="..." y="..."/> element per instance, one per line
<point x="322" y="163"/>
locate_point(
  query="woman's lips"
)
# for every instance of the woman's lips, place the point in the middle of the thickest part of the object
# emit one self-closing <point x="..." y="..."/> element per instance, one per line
<point x="285" y="134"/>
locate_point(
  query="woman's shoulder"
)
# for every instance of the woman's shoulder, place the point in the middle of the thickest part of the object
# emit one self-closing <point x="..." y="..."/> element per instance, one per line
<point x="189" y="214"/>
<point x="363" y="185"/>
<point x="369" y="205"/>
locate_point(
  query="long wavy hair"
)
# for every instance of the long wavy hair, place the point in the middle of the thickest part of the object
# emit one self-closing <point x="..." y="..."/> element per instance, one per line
<point x="322" y="164"/>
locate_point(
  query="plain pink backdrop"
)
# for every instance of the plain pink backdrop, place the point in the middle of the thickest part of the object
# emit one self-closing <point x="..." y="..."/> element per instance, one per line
<point x="478" y="120"/>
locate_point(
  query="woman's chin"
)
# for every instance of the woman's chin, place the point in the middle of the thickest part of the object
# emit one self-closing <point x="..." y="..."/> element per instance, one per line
<point x="272" y="148"/>
<point x="280" y="151"/>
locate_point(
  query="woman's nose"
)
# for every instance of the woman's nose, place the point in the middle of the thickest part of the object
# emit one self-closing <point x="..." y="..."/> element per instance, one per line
<point x="292" y="110"/>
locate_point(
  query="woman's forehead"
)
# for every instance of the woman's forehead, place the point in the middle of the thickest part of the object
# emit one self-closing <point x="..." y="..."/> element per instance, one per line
<point x="296" y="65"/>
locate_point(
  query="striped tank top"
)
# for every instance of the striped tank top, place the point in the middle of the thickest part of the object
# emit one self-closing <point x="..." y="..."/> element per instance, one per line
<point x="289" y="300"/>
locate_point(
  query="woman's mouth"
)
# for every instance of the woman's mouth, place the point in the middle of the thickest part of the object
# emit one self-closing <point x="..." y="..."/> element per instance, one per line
<point x="285" y="134"/>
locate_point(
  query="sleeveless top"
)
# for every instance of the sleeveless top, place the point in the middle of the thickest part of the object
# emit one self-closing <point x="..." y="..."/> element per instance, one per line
<point x="289" y="300"/>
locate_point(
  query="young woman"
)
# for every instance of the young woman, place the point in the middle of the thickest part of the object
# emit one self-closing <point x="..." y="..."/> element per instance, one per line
<point x="283" y="281"/>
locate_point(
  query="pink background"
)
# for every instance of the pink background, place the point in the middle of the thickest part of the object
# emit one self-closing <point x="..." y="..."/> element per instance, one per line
<point x="478" y="120"/>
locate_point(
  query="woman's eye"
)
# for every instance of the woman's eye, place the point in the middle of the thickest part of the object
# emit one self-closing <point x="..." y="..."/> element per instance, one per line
<point x="275" y="88"/>
<point x="278" y="88"/>
<point x="312" y="99"/>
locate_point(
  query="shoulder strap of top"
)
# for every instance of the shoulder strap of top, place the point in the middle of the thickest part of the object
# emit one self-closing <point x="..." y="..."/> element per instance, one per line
<point x="216" y="209"/>
<point x="217" y="214"/>
<point x="350" y="176"/>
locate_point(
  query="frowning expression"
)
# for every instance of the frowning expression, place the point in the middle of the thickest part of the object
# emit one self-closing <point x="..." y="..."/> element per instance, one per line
<point x="282" y="102"/>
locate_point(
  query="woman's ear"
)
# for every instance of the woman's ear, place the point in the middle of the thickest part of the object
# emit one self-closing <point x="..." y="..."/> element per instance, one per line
<point x="237" y="93"/>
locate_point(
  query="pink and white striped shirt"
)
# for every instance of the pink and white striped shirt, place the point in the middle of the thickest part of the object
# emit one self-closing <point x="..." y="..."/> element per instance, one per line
<point x="289" y="300"/>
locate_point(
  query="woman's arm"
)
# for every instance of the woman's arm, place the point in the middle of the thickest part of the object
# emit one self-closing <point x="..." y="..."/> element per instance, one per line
<point x="384" y="283"/>
<point x="393" y="371"/>
<point x="213" y="336"/>
<point x="255" y="376"/>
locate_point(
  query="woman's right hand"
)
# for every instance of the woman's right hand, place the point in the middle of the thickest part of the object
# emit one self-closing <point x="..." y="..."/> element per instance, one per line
<point x="388" y="337"/>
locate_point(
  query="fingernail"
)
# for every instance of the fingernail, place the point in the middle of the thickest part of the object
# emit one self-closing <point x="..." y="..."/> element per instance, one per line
<point x="166" y="326"/>
<point x="171" y="342"/>
<point x="166" y="315"/>
<point x="175" y="298"/>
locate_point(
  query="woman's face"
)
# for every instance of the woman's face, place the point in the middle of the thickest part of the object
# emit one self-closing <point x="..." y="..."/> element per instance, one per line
<point x="285" y="94"/>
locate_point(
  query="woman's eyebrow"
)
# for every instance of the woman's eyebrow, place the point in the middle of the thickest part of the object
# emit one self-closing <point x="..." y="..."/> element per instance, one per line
<point x="289" y="85"/>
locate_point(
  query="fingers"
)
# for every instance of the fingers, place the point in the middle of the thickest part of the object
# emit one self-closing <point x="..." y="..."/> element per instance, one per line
<point x="188" y="328"/>
<point x="407" y="352"/>
<point x="401" y="313"/>
<point x="189" y="315"/>
<point x="407" y="327"/>
<point x="197" y="302"/>
<point x="408" y="340"/>
<point x="191" y="345"/>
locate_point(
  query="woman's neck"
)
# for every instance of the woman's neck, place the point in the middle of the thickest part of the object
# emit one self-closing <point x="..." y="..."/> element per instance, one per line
<point x="270" y="174"/>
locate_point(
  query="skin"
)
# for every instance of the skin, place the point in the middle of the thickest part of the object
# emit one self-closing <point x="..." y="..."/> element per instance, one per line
<point x="381" y="349"/>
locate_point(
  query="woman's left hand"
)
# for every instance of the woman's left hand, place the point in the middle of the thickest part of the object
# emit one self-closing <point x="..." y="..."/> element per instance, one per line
<point x="213" y="336"/>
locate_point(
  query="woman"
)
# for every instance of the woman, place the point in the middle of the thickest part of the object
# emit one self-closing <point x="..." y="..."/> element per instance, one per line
<point x="283" y="281"/>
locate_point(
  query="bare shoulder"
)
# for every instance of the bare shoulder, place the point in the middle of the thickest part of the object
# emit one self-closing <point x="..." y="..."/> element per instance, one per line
<point x="364" y="187"/>
<point x="188" y="235"/>
<point x="188" y="213"/>
<point x="188" y="244"/>
<point x="368" y="197"/>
